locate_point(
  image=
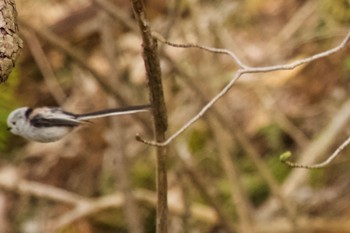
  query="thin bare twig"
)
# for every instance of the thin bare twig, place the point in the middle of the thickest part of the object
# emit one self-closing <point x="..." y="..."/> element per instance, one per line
<point x="313" y="152"/>
<point x="206" y="48"/>
<point x="318" y="147"/>
<point x="285" y="156"/>
<point x="234" y="129"/>
<point x="244" y="70"/>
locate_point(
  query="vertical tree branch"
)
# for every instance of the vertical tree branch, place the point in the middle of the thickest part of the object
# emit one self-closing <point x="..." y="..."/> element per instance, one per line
<point x="152" y="64"/>
<point x="10" y="43"/>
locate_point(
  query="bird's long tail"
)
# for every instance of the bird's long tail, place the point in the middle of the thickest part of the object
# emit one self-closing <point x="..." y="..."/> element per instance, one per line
<point x="114" y="112"/>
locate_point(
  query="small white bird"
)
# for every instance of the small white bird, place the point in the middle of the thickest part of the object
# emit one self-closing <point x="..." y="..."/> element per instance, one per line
<point x="47" y="124"/>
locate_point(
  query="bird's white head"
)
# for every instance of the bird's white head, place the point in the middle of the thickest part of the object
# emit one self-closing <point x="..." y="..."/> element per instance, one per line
<point x="16" y="120"/>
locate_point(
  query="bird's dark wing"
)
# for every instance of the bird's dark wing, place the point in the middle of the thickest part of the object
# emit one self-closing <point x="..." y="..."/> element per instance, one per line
<point x="40" y="121"/>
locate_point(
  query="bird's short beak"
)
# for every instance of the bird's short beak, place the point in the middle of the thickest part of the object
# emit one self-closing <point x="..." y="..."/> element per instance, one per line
<point x="9" y="128"/>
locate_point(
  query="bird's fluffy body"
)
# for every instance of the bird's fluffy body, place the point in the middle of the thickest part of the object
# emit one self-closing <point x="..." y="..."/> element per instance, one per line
<point x="41" y="124"/>
<point x="47" y="124"/>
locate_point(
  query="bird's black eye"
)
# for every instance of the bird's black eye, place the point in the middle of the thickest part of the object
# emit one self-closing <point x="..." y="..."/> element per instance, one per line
<point x="14" y="122"/>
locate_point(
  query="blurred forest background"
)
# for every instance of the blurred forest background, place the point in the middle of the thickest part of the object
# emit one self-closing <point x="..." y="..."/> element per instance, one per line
<point x="224" y="171"/>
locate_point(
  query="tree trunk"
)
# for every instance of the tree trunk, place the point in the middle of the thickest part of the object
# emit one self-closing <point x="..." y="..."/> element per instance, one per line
<point x="10" y="42"/>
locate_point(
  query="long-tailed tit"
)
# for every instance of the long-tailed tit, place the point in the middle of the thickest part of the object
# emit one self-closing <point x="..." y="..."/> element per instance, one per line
<point x="48" y="124"/>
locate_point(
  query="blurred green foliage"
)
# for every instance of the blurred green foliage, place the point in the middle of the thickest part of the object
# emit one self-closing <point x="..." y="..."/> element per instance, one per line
<point x="224" y="188"/>
<point x="278" y="169"/>
<point x="197" y="139"/>
<point x="337" y="10"/>
<point x="273" y="137"/>
<point x="347" y="64"/>
<point x="7" y="104"/>
<point x="256" y="187"/>
<point x="143" y="173"/>
<point x="318" y="177"/>
<point x="111" y="220"/>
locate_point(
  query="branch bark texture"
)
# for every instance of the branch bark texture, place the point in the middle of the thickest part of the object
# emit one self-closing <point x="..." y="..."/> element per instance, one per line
<point x="152" y="64"/>
<point x="10" y="42"/>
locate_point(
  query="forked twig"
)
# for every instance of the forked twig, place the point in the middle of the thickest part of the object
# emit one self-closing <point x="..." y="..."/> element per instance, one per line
<point x="206" y="48"/>
<point x="243" y="70"/>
